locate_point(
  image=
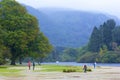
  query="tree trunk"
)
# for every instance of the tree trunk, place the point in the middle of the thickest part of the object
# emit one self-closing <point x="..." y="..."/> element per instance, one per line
<point x="13" y="61"/>
<point x="13" y="56"/>
<point x="20" y="60"/>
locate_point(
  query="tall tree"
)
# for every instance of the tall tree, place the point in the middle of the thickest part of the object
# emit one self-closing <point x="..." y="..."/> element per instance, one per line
<point x="106" y="32"/>
<point x="40" y="47"/>
<point x="21" y="28"/>
<point x="94" y="43"/>
<point x="102" y="36"/>
<point x="116" y="35"/>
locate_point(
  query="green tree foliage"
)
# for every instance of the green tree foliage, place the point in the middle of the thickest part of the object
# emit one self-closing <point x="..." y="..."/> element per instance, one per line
<point x="69" y="54"/>
<point x="95" y="41"/>
<point x="63" y="54"/>
<point x="40" y="46"/>
<point x="88" y="57"/>
<point x="106" y="32"/>
<point x="4" y="51"/>
<point x="102" y="36"/>
<point x="116" y="35"/>
<point x="110" y="57"/>
<point x="4" y="54"/>
<point x="21" y="30"/>
<point x="55" y="55"/>
<point x="103" y="45"/>
<point x="103" y="50"/>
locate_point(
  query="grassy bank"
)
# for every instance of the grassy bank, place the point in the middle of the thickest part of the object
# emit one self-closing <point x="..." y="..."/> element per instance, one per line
<point x="10" y="70"/>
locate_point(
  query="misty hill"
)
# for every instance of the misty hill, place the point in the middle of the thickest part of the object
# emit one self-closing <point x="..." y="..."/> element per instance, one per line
<point x="68" y="28"/>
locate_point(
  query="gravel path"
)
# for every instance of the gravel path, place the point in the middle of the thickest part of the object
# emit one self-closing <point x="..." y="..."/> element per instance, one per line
<point x="103" y="73"/>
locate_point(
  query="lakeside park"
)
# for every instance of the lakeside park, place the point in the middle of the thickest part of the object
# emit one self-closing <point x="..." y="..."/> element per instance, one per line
<point x="55" y="72"/>
<point x="34" y="35"/>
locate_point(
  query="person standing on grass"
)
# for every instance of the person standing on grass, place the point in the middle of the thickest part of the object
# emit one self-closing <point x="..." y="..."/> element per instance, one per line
<point x="29" y="64"/>
<point x="33" y="65"/>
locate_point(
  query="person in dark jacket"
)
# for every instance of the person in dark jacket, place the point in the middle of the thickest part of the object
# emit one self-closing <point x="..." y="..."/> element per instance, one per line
<point x="85" y="68"/>
<point x="33" y="65"/>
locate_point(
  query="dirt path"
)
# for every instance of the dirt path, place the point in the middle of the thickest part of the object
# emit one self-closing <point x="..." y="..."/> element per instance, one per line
<point x="30" y="75"/>
<point x="103" y="73"/>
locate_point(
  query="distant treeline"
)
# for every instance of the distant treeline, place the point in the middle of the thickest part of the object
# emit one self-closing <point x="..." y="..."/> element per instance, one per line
<point x="103" y="46"/>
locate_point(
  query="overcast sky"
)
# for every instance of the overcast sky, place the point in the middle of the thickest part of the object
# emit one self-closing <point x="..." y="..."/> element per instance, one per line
<point x="106" y="6"/>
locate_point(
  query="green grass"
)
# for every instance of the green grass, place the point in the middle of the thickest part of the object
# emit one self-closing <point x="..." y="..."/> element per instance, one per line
<point x="57" y="68"/>
<point x="10" y="71"/>
<point x="15" y="71"/>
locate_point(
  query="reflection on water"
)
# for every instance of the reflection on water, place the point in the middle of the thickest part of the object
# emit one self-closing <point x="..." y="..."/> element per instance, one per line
<point x="81" y="64"/>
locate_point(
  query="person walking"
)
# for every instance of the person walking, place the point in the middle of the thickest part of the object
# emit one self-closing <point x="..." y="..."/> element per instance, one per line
<point x="29" y="64"/>
<point x="94" y="65"/>
<point x="85" y="68"/>
<point x="33" y="65"/>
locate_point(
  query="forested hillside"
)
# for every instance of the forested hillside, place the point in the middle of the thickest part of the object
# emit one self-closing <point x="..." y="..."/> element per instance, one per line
<point x="103" y="46"/>
<point x="67" y="28"/>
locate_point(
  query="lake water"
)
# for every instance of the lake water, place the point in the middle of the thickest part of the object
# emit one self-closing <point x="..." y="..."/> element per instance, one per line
<point x="81" y="64"/>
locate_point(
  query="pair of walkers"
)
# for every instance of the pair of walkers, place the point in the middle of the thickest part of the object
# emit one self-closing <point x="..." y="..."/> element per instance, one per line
<point x="29" y="65"/>
<point x="85" y="67"/>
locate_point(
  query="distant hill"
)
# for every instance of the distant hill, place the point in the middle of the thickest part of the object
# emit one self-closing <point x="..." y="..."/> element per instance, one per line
<point x="68" y="28"/>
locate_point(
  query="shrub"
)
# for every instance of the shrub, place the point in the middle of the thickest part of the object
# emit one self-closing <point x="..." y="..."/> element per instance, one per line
<point x="69" y="70"/>
<point x="89" y="70"/>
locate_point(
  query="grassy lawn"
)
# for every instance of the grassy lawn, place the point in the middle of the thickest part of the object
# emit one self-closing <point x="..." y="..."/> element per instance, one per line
<point x="10" y="71"/>
<point x="58" y="68"/>
<point x="16" y="71"/>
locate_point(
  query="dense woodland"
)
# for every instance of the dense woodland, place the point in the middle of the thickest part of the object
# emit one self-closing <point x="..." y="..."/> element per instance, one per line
<point x="103" y="46"/>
